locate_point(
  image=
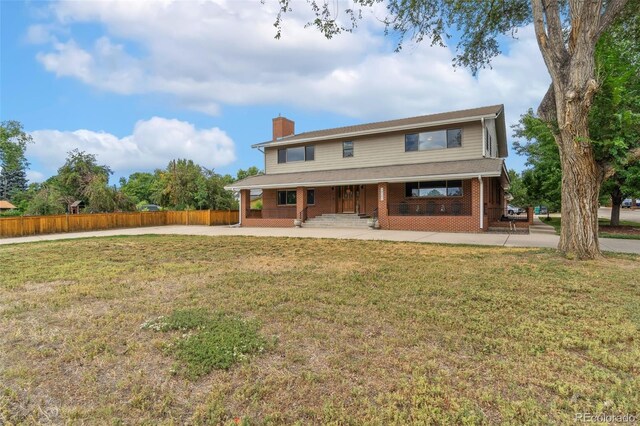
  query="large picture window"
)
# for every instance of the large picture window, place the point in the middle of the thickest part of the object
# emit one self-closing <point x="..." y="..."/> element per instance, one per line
<point x="298" y="153"/>
<point x="443" y="188"/>
<point x="439" y="139"/>
<point x="287" y="198"/>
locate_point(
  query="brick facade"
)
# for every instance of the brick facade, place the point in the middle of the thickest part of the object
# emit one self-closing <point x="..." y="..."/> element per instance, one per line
<point x="381" y="196"/>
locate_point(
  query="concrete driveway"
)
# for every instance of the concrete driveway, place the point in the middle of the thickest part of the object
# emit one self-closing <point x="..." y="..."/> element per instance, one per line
<point x="541" y="235"/>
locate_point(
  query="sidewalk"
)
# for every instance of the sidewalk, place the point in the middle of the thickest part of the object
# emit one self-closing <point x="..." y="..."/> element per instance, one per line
<point x="541" y="235"/>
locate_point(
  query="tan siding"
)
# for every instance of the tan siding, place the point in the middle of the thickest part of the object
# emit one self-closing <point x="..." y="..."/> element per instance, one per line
<point x="380" y="150"/>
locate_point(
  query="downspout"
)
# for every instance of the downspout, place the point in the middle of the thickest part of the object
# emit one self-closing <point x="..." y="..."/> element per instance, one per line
<point x="481" y="202"/>
<point x="484" y="139"/>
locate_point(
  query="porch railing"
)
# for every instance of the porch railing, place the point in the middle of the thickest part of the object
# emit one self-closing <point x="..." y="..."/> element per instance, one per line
<point x="429" y="208"/>
<point x="303" y="214"/>
<point x="280" y="213"/>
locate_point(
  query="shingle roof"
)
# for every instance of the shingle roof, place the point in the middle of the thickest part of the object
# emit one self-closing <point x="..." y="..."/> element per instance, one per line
<point x="396" y="173"/>
<point x="422" y="120"/>
<point x="6" y="205"/>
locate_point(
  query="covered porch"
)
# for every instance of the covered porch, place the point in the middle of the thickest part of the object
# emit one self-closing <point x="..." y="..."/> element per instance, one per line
<point x="425" y="199"/>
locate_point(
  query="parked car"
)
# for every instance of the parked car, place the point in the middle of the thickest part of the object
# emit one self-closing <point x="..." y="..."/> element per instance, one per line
<point x="511" y="210"/>
<point x="149" y="208"/>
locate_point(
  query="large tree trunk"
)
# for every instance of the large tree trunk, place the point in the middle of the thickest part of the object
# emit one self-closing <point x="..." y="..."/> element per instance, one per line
<point x="580" y="194"/>
<point x="616" y="204"/>
<point x="566" y="110"/>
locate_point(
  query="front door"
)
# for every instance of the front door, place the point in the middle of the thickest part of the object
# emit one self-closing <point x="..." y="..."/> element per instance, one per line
<point x="349" y="199"/>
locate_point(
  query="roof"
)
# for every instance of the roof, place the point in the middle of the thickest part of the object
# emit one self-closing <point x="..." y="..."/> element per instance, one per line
<point x="77" y="203"/>
<point x="6" y="205"/>
<point x="398" y="173"/>
<point x="473" y="114"/>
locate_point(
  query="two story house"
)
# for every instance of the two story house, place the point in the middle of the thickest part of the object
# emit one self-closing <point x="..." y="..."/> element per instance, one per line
<point x="440" y="172"/>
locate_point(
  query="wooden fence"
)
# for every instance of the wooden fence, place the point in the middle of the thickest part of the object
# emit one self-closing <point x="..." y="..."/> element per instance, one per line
<point x="19" y="226"/>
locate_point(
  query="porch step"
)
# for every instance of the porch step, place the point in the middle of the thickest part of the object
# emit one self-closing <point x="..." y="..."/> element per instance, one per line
<point x="337" y="220"/>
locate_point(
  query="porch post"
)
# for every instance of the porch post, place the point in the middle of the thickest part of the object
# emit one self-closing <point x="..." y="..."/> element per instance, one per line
<point x="383" y="203"/>
<point x="245" y="204"/>
<point x="301" y="201"/>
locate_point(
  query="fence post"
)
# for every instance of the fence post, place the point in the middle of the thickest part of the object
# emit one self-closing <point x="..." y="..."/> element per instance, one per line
<point x="187" y="212"/>
<point x="209" y="222"/>
<point x="68" y="225"/>
<point x="22" y="226"/>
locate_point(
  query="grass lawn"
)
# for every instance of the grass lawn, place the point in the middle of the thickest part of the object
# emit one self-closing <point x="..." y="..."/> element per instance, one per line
<point x="627" y="229"/>
<point x="342" y="332"/>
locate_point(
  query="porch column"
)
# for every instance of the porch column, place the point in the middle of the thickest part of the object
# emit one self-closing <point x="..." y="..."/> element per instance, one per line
<point x="245" y="204"/>
<point x="477" y="202"/>
<point x="383" y="205"/>
<point x="301" y="201"/>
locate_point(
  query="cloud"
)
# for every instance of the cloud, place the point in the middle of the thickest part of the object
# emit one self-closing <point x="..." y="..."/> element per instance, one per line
<point x="211" y="53"/>
<point x="35" y="176"/>
<point x="151" y="145"/>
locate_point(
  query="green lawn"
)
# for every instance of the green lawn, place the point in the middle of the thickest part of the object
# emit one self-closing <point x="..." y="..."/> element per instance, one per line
<point x="604" y="223"/>
<point x="338" y="332"/>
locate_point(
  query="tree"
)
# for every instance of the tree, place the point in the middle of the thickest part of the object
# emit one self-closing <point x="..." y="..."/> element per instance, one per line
<point x="141" y="186"/>
<point x="518" y="189"/>
<point x="615" y="115"/>
<point x="13" y="163"/>
<point x="543" y="178"/>
<point x="566" y="32"/>
<point x="614" y="123"/>
<point x="48" y="200"/>
<point x="78" y="171"/>
<point x="251" y="171"/>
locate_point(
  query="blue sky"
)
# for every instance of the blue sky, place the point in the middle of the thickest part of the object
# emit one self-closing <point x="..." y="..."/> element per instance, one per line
<point x="140" y="83"/>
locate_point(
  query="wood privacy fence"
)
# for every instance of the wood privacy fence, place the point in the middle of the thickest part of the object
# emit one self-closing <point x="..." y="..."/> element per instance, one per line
<point x="19" y="226"/>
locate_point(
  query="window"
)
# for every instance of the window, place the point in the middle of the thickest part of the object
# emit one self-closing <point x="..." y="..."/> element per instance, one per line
<point x="295" y="154"/>
<point x="454" y="138"/>
<point x="287" y="198"/>
<point x="310" y="153"/>
<point x="347" y="149"/>
<point x="311" y="197"/>
<point x="445" y="188"/>
<point x="438" y="139"/>
<point x="299" y="153"/>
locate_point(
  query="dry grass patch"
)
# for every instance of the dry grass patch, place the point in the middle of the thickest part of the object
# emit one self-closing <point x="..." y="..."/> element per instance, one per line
<point x="373" y="332"/>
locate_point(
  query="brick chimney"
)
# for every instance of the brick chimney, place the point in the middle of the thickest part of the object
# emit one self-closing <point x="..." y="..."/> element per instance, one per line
<point x="282" y="127"/>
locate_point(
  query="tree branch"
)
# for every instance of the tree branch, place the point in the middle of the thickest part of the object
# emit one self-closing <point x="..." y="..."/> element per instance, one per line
<point x="554" y="29"/>
<point x="613" y="9"/>
<point x="547" y="109"/>
<point x="543" y="38"/>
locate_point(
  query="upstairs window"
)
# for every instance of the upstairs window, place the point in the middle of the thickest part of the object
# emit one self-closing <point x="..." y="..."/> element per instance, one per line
<point x="298" y="153"/>
<point x="444" y="188"/>
<point x="347" y="149"/>
<point x="438" y="139"/>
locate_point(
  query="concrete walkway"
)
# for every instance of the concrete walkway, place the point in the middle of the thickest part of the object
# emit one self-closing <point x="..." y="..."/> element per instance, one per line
<point x="541" y="235"/>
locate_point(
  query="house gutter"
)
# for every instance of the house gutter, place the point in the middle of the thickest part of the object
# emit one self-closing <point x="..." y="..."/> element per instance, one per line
<point x="366" y="181"/>
<point x="376" y="131"/>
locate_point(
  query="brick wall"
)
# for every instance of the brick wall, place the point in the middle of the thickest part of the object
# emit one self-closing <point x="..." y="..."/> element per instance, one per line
<point x="468" y="223"/>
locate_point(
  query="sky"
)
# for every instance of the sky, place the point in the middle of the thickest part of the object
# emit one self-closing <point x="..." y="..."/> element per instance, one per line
<point x="138" y="83"/>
